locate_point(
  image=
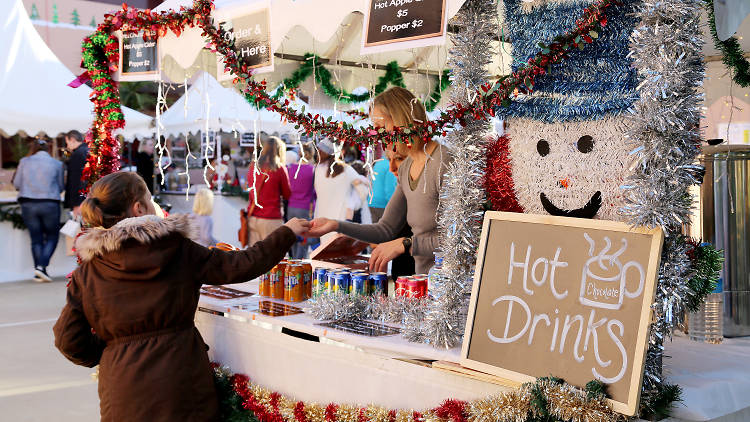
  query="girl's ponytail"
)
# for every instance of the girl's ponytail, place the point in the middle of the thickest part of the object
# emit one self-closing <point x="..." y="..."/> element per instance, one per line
<point x="111" y="197"/>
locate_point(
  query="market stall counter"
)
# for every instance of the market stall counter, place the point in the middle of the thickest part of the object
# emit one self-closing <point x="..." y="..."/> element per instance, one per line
<point x="300" y="357"/>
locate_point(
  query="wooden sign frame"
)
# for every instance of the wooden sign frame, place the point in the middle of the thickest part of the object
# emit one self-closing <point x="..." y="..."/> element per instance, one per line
<point x="628" y="407"/>
<point x="366" y="27"/>
<point x="153" y="75"/>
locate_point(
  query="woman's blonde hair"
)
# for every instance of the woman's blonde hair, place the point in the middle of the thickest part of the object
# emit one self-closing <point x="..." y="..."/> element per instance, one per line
<point x="203" y="203"/>
<point x="403" y="108"/>
<point x="111" y="197"/>
<point x="273" y="155"/>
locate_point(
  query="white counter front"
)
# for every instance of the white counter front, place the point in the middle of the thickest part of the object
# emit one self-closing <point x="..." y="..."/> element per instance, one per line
<point x="333" y="366"/>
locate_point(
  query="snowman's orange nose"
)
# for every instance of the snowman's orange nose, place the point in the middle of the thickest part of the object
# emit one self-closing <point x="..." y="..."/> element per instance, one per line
<point x="564" y="183"/>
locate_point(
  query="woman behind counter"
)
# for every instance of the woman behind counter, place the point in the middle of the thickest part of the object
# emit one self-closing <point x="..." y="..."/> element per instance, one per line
<point x="416" y="198"/>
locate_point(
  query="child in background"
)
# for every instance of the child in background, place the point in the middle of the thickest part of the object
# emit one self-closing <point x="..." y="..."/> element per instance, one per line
<point x="203" y="207"/>
<point x="357" y="201"/>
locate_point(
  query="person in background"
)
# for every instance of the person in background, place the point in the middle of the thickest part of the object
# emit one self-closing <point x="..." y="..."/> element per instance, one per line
<point x="144" y="162"/>
<point x="271" y="183"/>
<point x="291" y="158"/>
<point x="302" y="199"/>
<point x="39" y="181"/>
<point x="131" y="303"/>
<point x="203" y="207"/>
<point x="334" y="182"/>
<point x="79" y="153"/>
<point x="358" y="195"/>
<point x="416" y="198"/>
<point x="383" y="186"/>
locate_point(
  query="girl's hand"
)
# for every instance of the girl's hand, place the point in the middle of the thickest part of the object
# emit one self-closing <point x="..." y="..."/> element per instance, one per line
<point x="298" y="226"/>
<point x="384" y="253"/>
<point x="321" y="226"/>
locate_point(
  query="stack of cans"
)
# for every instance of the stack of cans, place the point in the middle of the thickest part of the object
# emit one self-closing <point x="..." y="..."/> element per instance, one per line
<point x="289" y="280"/>
<point x="413" y="286"/>
<point x="348" y="282"/>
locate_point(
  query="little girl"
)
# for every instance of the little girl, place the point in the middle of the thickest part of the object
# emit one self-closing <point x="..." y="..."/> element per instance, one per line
<point x="131" y="303"/>
<point x="203" y="207"/>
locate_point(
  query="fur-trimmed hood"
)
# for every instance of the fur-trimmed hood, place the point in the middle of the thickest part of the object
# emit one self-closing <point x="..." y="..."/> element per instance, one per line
<point x="145" y="229"/>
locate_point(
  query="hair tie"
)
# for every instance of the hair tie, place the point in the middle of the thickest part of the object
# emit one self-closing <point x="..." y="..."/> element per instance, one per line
<point x="95" y="200"/>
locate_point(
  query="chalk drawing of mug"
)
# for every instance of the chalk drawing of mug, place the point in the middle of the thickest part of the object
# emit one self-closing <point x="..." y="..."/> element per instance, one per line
<point x="604" y="285"/>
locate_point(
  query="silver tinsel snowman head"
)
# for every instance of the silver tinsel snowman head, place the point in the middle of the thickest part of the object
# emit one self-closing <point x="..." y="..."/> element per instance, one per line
<point x="568" y="146"/>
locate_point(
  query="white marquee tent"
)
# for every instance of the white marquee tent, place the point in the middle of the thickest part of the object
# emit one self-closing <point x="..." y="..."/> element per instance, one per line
<point x="34" y="96"/>
<point x="209" y="105"/>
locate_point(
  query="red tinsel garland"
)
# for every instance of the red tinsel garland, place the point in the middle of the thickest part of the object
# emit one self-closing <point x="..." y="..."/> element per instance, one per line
<point x="498" y="177"/>
<point x="104" y="148"/>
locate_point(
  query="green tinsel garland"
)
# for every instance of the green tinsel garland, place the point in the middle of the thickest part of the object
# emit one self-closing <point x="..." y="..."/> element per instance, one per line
<point x="393" y="76"/>
<point x="659" y="406"/>
<point x="731" y="51"/>
<point x="12" y="214"/>
<point x="707" y="264"/>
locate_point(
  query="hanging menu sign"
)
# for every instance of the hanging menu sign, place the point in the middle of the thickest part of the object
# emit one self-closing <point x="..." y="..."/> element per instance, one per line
<point x="566" y="297"/>
<point x="139" y="58"/>
<point x="395" y="21"/>
<point x="251" y="36"/>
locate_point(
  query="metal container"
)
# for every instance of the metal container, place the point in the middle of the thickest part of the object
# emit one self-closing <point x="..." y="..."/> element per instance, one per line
<point x="725" y="222"/>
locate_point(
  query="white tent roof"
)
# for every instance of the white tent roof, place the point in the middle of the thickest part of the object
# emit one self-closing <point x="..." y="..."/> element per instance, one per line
<point x="223" y="108"/>
<point x="34" y="96"/>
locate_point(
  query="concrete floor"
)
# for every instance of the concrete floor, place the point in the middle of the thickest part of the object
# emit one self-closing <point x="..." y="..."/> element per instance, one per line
<point x="36" y="382"/>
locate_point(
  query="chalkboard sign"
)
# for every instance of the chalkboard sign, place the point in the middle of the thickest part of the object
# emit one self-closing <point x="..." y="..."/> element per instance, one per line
<point x="140" y="56"/>
<point x="252" y="37"/>
<point x="390" y="21"/>
<point x="566" y="297"/>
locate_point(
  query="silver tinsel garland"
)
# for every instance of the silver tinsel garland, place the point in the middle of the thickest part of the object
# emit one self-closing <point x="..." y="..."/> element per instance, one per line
<point x="462" y="196"/>
<point x="667" y="51"/>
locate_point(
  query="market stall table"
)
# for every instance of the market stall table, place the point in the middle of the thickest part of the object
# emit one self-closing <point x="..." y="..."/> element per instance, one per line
<point x="298" y="357"/>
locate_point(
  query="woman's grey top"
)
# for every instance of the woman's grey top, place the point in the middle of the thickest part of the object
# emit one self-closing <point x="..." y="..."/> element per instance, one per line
<point x="416" y="205"/>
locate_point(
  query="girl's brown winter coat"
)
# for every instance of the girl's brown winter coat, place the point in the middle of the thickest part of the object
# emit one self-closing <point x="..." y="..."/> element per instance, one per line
<point x="130" y="309"/>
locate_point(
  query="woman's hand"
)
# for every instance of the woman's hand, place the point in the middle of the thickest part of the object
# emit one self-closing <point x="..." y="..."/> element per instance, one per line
<point x="384" y="253"/>
<point x="321" y="226"/>
<point x="298" y="226"/>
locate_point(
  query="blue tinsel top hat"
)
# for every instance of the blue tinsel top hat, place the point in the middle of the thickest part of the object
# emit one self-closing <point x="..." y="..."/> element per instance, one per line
<point x="589" y="84"/>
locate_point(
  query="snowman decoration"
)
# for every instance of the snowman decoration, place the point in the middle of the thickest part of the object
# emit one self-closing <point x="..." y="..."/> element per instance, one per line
<point x="569" y="154"/>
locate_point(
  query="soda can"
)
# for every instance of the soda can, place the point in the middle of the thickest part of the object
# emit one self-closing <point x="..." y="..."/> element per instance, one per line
<point x="401" y="286"/>
<point x="422" y="284"/>
<point x="342" y="281"/>
<point x="276" y="281"/>
<point x="293" y="283"/>
<point x="360" y="284"/>
<point x="378" y="284"/>
<point x="331" y="282"/>
<point x="413" y="289"/>
<point x="308" y="285"/>
<point x="264" y="286"/>
<point x="320" y="280"/>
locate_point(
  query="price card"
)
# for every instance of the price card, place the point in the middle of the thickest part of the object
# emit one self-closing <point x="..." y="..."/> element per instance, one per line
<point x="400" y="21"/>
<point x="139" y="56"/>
<point x="249" y="28"/>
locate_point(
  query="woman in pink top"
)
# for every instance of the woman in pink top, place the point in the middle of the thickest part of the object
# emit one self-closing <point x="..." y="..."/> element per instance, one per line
<point x="302" y="201"/>
<point x="271" y="183"/>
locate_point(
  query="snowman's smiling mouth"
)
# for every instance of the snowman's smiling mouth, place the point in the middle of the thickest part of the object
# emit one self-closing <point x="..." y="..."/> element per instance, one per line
<point x="587" y="211"/>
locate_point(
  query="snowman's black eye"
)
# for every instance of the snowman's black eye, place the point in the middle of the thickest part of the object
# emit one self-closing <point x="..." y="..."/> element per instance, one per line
<point x="542" y="147"/>
<point x="585" y="144"/>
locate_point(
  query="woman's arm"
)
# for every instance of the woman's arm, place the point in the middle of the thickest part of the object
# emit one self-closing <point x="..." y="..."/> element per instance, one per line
<point x="73" y="336"/>
<point x="214" y="266"/>
<point x="387" y="228"/>
<point x="18" y="176"/>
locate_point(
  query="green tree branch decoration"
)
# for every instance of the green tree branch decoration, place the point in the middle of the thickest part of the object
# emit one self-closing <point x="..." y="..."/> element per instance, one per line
<point x="393" y="76"/>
